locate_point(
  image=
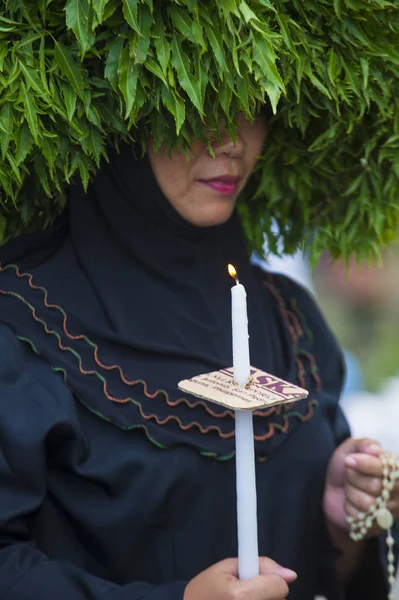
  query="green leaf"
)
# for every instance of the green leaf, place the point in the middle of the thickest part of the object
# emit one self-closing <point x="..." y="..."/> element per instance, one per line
<point x="365" y="72"/>
<point x="128" y="73"/>
<point x="4" y="19"/>
<point x="225" y="96"/>
<point x="49" y="150"/>
<point x="95" y="144"/>
<point x="236" y="60"/>
<point x="112" y="61"/>
<point x="332" y="65"/>
<point x="23" y="142"/>
<point x="246" y="58"/>
<point x="79" y="18"/>
<point x="216" y="41"/>
<point x="266" y="58"/>
<point x="316" y="82"/>
<point x="69" y="68"/>
<point x="268" y="5"/>
<point x="243" y="92"/>
<point x="99" y="8"/>
<point x="198" y="34"/>
<point x="159" y="131"/>
<point x="110" y="9"/>
<point x="202" y="76"/>
<point x="14" y="167"/>
<point x="274" y="94"/>
<point x="93" y="116"/>
<point x="175" y="106"/>
<point x="247" y="12"/>
<point x="181" y="21"/>
<point x="4" y="51"/>
<point x="30" y="112"/>
<point x="337" y="8"/>
<point x="153" y="66"/>
<point x="162" y="47"/>
<point x="229" y="6"/>
<point x="6" y="126"/>
<point x="130" y="14"/>
<point x="325" y="138"/>
<point x="111" y="120"/>
<point x="190" y="85"/>
<point x="7" y="28"/>
<point x="70" y="99"/>
<point x="32" y="79"/>
<point x="42" y="63"/>
<point x="143" y="46"/>
<point x="284" y="23"/>
<point x="41" y="172"/>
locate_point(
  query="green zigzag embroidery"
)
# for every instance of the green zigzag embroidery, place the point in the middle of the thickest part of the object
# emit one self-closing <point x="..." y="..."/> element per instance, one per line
<point x="106" y="419"/>
<point x="313" y="404"/>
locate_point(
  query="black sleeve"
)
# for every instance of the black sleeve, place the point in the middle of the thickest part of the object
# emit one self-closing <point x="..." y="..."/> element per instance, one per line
<point x="27" y="416"/>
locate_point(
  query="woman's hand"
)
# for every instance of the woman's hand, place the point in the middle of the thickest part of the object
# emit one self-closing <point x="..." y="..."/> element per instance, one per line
<point x="220" y="582"/>
<point x="354" y="481"/>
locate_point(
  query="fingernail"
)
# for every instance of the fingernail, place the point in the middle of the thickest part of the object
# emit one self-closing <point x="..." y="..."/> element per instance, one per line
<point x="350" y="462"/>
<point x="287" y="573"/>
<point x="374" y="448"/>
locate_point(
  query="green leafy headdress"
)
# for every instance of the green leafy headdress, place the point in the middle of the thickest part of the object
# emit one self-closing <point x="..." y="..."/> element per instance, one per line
<point x="80" y="74"/>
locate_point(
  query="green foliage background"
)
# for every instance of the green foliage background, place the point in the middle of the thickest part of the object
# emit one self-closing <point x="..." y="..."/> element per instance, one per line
<point x="76" y="75"/>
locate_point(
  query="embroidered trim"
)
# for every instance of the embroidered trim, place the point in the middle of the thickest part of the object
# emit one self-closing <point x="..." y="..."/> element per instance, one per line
<point x="292" y="323"/>
<point x="106" y="419"/>
<point x="159" y="421"/>
<point x="294" y="326"/>
<point x="125" y="380"/>
<point x="299" y="314"/>
<point x="283" y="428"/>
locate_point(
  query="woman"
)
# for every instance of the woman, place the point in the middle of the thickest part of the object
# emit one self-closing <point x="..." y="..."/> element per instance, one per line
<point x="112" y="484"/>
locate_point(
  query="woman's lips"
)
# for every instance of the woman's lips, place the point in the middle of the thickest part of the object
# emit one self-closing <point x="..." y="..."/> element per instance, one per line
<point x="224" y="185"/>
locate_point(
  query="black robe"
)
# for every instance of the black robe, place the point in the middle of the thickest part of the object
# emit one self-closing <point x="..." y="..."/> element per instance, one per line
<point x="112" y="485"/>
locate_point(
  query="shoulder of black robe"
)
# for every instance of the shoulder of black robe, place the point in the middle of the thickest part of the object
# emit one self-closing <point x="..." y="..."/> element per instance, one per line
<point x="125" y="299"/>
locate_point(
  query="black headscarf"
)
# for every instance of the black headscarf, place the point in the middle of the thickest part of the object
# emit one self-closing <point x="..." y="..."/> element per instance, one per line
<point x="124" y="299"/>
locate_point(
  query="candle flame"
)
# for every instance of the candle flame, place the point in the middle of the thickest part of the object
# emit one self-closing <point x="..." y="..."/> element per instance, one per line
<point x="233" y="273"/>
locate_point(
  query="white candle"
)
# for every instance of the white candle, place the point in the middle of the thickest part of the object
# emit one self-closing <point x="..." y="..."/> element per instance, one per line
<point x="247" y="526"/>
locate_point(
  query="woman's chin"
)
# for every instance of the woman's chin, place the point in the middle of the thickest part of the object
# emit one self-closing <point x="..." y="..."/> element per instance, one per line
<point x="216" y="214"/>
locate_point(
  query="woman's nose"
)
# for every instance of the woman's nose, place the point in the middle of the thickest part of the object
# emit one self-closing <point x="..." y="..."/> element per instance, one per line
<point x="226" y="145"/>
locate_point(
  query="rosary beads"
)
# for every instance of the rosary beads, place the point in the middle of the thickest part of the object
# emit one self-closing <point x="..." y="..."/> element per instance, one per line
<point x="360" y="525"/>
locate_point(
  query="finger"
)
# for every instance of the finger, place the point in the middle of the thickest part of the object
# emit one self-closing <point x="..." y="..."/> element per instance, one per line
<point x="351" y="510"/>
<point x="364" y="464"/>
<point x="263" y="587"/>
<point x="393" y="507"/>
<point x="269" y="566"/>
<point x="359" y="499"/>
<point x="362" y="445"/>
<point x="369" y="485"/>
<point x="370" y="446"/>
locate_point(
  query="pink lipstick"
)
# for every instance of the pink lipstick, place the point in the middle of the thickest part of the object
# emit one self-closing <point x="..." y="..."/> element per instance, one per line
<point x="225" y="185"/>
